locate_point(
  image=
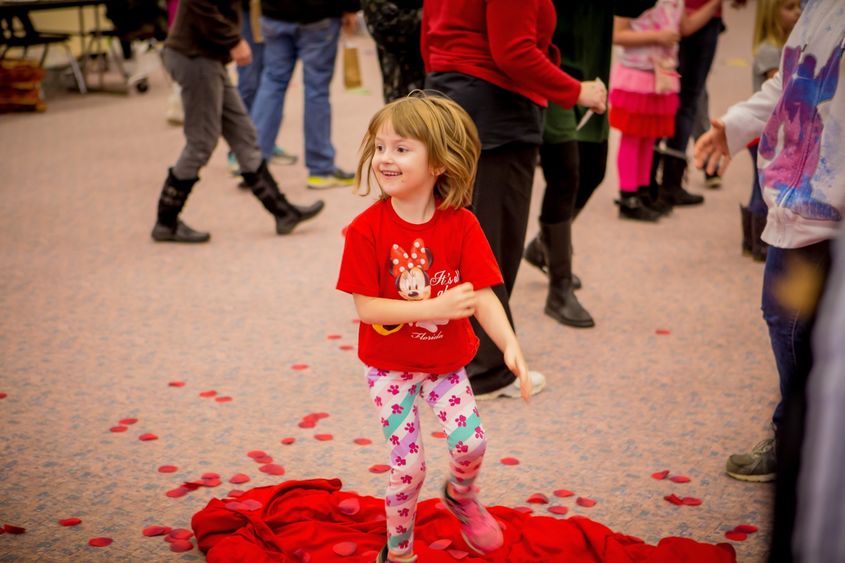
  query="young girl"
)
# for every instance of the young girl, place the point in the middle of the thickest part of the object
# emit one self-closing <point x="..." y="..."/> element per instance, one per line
<point x="418" y="265"/>
<point x="644" y="94"/>
<point x="774" y="20"/>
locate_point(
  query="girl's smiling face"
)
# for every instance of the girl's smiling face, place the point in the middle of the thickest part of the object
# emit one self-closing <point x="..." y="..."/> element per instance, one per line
<point x="789" y="12"/>
<point x="401" y="166"/>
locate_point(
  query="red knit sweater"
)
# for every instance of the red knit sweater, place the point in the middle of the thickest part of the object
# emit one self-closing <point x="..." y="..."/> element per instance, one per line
<point x="505" y="42"/>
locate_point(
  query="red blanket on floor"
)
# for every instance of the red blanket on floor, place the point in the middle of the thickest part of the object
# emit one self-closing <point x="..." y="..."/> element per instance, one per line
<point x="300" y="521"/>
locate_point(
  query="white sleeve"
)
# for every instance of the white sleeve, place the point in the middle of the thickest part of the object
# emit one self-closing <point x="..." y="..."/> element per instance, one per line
<point x="745" y="121"/>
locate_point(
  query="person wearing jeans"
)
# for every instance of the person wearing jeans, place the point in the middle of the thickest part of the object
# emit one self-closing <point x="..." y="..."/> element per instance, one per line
<point x="308" y="31"/>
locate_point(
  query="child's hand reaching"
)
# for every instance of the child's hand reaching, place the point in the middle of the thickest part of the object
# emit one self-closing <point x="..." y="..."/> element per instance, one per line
<point x="456" y="303"/>
<point x="593" y="96"/>
<point x="667" y="37"/>
<point x="516" y="363"/>
<point x="241" y="53"/>
<point x="711" y="149"/>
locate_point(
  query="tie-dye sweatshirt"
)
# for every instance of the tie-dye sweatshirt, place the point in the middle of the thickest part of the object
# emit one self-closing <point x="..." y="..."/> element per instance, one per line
<point x="799" y="116"/>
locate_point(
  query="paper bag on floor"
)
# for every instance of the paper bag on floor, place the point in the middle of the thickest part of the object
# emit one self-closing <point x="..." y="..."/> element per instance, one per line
<point x="351" y="68"/>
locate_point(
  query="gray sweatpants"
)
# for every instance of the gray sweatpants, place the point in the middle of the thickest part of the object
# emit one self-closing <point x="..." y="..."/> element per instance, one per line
<point x="212" y="107"/>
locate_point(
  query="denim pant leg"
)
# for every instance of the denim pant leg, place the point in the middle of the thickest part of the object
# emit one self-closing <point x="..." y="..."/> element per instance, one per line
<point x="249" y="76"/>
<point x="280" y="52"/>
<point x="790" y="330"/>
<point x="694" y="61"/>
<point x="317" y="45"/>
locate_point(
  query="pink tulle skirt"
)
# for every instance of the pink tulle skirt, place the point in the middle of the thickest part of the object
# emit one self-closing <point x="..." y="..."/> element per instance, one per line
<point x="635" y="108"/>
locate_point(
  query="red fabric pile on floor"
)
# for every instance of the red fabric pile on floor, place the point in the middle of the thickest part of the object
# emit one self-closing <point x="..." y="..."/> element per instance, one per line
<point x="300" y="521"/>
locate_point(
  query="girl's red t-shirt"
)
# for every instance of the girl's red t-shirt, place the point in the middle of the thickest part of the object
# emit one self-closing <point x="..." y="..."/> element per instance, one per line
<point x="386" y="256"/>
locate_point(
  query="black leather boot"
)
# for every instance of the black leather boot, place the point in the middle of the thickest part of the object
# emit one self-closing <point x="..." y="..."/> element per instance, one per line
<point x="535" y="254"/>
<point x="561" y="303"/>
<point x="650" y="199"/>
<point x="632" y="207"/>
<point x="759" y="249"/>
<point x="671" y="186"/>
<point x="168" y="227"/>
<point x="287" y="215"/>
<point x="745" y="216"/>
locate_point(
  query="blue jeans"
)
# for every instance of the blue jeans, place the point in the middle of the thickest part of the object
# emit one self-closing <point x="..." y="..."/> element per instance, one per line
<point x="695" y="58"/>
<point x="790" y="330"/>
<point x="316" y="44"/>
<point x="249" y="76"/>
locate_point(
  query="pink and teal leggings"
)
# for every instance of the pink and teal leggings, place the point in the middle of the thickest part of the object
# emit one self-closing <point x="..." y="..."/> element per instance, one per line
<point x="634" y="162"/>
<point x="394" y="394"/>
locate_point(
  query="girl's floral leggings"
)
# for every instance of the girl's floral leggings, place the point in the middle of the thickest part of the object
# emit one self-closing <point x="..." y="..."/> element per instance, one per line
<point x="450" y="397"/>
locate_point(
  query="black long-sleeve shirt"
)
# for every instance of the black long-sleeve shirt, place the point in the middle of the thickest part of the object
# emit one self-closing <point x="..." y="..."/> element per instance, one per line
<point x="206" y="28"/>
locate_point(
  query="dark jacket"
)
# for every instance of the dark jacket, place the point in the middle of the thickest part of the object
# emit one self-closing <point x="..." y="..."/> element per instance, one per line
<point x="307" y="11"/>
<point x="206" y="28"/>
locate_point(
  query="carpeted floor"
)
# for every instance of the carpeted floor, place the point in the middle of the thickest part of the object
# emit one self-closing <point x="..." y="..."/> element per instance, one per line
<point x="99" y="324"/>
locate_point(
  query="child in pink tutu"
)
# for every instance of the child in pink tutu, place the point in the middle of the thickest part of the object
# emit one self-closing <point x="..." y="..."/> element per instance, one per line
<point x="644" y="93"/>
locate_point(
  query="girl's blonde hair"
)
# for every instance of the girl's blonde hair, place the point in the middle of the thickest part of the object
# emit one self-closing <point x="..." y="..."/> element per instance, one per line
<point x="447" y="132"/>
<point x="767" y="27"/>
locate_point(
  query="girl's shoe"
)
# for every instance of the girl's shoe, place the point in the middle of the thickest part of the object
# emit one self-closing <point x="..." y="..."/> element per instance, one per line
<point x="281" y="156"/>
<point x="479" y="529"/>
<point x="384" y="557"/>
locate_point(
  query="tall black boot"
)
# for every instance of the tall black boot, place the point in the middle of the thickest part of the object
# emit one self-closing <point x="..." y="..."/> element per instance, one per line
<point x="759" y="249"/>
<point x="535" y="254"/>
<point x="561" y="303"/>
<point x="632" y="207"/>
<point x="671" y="186"/>
<point x="653" y="202"/>
<point x="168" y="227"/>
<point x="745" y="217"/>
<point x="287" y="215"/>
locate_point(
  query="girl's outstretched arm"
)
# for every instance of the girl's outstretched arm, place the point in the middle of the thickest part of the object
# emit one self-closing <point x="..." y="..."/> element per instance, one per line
<point x="692" y="22"/>
<point x="491" y="316"/>
<point x="455" y="303"/>
<point x="624" y="36"/>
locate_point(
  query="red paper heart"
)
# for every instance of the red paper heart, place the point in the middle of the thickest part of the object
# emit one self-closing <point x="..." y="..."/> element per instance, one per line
<point x="127" y="420"/>
<point x="585" y="502"/>
<point x="662" y="331"/>
<point x="235" y="493"/>
<point x="238" y="478"/>
<point x="349" y="506"/>
<point x="538" y="498"/>
<point x="256" y="453"/>
<point x="100" y="542"/>
<point x="679" y="479"/>
<point x="524" y="509"/>
<point x="70" y="521"/>
<point x="151" y="531"/>
<point x="180" y="534"/>
<point x="674" y="499"/>
<point x="379" y="468"/>
<point x="346" y="347"/>
<point x="438" y="434"/>
<point x="323" y="437"/>
<point x="168" y="469"/>
<point x="318" y="415"/>
<point x="176" y="384"/>
<point x="307" y="424"/>
<point x="263" y="459"/>
<point x="440" y="544"/>
<point x="212" y="482"/>
<point x="509" y="461"/>
<point x="118" y="429"/>
<point x="252" y="504"/>
<point x="288" y="441"/>
<point x="210" y="475"/>
<point x="345" y="549"/>
<point x="660" y="475"/>
<point x="736" y="536"/>
<point x="299" y="367"/>
<point x="691" y="501"/>
<point x="746" y="528"/>
<point x="224" y="399"/>
<point x="272" y="469"/>
<point x="558" y="510"/>
<point x="209" y="393"/>
<point x="363" y="441"/>
<point x="177" y="492"/>
<point x="457" y="553"/>
<point x="563" y="493"/>
<point x="147" y="437"/>
<point x="3" y="395"/>
<point x="333" y="337"/>
<point x="181" y="546"/>
<point x="10" y="529"/>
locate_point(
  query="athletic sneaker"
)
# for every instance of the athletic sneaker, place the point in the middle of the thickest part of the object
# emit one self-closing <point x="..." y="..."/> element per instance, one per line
<point x="512" y="391"/>
<point x="758" y="466"/>
<point x="337" y="179"/>
<point x="232" y="163"/>
<point x="478" y="527"/>
<point x="281" y="156"/>
<point x="712" y="181"/>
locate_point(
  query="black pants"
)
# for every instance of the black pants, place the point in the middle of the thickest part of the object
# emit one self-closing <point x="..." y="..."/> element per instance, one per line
<point x="572" y="170"/>
<point x="501" y="201"/>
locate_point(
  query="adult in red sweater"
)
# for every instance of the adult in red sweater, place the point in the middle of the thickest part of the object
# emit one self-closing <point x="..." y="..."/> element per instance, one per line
<point x="496" y="59"/>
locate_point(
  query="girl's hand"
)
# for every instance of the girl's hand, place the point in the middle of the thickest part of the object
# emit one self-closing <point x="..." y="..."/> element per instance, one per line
<point x="667" y="37"/>
<point x="456" y="303"/>
<point x="711" y="149"/>
<point x="516" y="363"/>
<point x="241" y="53"/>
<point x="593" y="96"/>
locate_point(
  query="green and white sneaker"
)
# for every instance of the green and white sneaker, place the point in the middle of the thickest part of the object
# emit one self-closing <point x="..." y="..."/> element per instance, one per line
<point x="757" y="466"/>
<point x="232" y="163"/>
<point x="281" y="156"/>
<point x="337" y="179"/>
